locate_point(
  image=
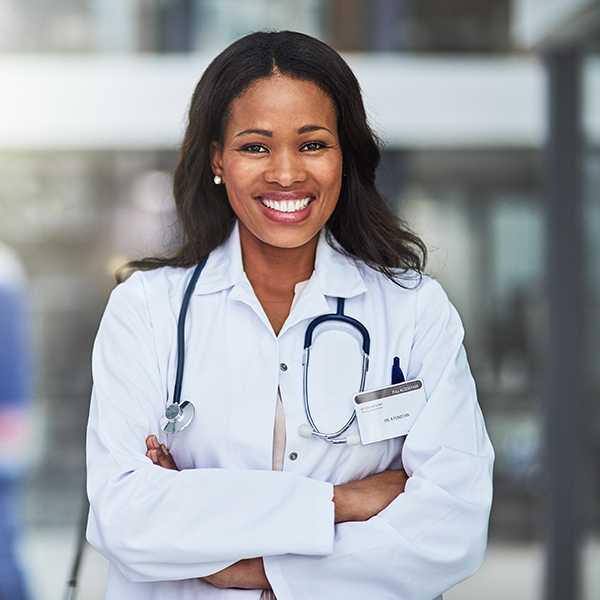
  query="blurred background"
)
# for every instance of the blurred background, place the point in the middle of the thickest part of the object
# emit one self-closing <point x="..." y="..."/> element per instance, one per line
<point x="490" y="115"/>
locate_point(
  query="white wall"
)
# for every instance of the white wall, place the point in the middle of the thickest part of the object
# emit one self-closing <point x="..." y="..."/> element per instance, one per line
<point x="130" y="101"/>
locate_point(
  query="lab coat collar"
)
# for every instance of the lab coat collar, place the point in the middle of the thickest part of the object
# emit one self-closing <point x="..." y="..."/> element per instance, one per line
<point x="224" y="267"/>
<point x="336" y="275"/>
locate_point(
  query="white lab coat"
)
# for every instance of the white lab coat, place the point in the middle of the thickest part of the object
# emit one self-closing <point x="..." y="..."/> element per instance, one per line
<point x="162" y="530"/>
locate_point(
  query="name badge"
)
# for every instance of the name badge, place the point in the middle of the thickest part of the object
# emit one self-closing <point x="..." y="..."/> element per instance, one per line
<point x="390" y="411"/>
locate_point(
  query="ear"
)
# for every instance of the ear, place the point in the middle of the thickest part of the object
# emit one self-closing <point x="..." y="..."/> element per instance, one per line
<point x="216" y="158"/>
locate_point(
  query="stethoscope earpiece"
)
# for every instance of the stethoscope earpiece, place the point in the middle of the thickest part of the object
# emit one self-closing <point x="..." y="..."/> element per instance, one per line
<point x="305" y="430"/>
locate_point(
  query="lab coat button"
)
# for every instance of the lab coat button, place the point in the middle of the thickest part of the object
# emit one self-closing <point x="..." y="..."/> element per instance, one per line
<point x="283" y="366"/>
<point x="293" y="455"/>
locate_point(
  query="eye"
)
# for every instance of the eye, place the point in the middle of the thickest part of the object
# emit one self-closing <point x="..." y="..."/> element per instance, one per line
<point x="312" y="146"/>
<point x="254" y="149"/>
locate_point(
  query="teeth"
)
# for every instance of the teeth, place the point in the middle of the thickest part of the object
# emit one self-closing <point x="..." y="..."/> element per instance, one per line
<point x="285" y="206"/>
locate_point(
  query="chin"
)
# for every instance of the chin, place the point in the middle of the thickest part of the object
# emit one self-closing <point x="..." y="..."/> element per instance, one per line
<point x="290" y="240"/>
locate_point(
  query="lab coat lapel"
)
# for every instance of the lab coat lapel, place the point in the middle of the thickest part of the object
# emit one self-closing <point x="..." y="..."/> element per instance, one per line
<point x="335" y="276"/>
<point x="224" y="269"/>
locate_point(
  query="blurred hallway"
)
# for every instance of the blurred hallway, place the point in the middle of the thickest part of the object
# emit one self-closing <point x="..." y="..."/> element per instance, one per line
<point x="91" y="114"/>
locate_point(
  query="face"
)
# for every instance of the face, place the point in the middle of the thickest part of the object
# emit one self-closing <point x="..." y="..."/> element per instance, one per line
<point x="281" y="161"/>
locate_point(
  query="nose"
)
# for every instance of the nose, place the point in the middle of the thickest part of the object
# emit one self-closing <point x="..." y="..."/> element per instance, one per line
<point x="285" y="168"/>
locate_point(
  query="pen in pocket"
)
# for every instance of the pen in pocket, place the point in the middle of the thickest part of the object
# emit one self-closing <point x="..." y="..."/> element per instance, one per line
<point x="397" y="375"/>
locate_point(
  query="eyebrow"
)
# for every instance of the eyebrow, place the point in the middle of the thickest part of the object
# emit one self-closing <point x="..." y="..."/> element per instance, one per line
<point x="264" y="132"/>
<point x="268" y="133"/>
<point x="309" y="128"/>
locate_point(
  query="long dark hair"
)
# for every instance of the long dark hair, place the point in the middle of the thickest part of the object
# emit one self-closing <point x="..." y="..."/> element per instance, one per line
<point x="362" y="223"/>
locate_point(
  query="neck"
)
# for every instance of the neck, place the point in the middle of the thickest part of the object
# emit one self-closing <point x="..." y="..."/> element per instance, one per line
<point x="274" y="272"/>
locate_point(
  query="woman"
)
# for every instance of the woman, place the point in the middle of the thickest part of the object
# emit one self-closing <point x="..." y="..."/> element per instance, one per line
<point x="275" y="184"/>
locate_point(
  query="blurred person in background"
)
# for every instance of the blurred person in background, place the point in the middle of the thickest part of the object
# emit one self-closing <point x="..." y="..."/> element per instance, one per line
<point x="282" y="224"/>
<point x="15" y="388"/>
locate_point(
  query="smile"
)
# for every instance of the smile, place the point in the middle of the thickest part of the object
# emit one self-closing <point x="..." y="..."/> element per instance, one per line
<point x="287" y="206"/>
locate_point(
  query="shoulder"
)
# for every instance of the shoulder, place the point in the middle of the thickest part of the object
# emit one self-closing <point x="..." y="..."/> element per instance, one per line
<point x="407" y="284"/>
<point x="146" y="298"/>
<point x="141" y="309"/>
<point x="418" y="297"/>
<point x="155" y="284"/>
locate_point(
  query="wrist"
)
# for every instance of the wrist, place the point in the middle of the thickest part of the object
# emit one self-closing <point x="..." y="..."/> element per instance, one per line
<point x="341" y="503"/>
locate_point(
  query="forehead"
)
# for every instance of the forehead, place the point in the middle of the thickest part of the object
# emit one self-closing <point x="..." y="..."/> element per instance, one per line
<point x="282" y="101"/>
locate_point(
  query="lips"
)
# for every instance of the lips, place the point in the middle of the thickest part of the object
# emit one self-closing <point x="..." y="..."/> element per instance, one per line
<point x="286" y="202"/>
<point x="286" y="207"/>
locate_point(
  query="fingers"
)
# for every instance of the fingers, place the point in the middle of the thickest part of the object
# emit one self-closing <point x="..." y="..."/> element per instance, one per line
<point x="152" y="442"/>
<point x="159" y="454"/>
<point x="248" y="574"/>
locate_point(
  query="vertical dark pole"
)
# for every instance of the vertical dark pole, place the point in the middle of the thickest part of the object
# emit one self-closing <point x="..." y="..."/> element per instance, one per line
<point x="565" y="287"/>
<point x="388" y="20"/>
<point x="386" y="36"/>
<point x="391" y="176"/>
<point x="384" y="22"/>
<point x="175" y="26"/>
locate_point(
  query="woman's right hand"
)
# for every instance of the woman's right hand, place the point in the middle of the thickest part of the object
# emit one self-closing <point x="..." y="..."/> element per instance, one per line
<point x="360" y="500"/>
<point x="159" y="454"/>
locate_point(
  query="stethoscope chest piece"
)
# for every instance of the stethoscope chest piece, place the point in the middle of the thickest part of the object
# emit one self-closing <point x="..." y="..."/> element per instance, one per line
<point x="177" y="417"/>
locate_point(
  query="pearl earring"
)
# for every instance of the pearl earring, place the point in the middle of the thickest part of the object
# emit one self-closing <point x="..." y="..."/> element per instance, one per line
<point x="218" y="180"/>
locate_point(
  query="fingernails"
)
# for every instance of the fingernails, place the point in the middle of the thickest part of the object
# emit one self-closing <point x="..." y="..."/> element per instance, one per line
<point x="164" y="449"/>
<point x="155" y="457"/>
<point x="155" y="442"/>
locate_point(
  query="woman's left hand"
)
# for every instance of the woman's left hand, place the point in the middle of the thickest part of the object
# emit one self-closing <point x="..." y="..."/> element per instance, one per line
<point x="248" y="574"/>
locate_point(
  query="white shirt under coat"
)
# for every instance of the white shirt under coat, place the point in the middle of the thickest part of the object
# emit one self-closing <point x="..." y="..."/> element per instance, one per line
<point x="162" y="530"/>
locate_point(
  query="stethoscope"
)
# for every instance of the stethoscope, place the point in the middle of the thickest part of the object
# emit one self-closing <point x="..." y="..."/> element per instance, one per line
<point x="178" y="415"/>
<point x="311" y="429"/>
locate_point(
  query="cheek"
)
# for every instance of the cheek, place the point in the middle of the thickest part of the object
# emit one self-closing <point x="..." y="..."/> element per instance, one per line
<point x="237" y="176"/>
<point x="332" y="178"/>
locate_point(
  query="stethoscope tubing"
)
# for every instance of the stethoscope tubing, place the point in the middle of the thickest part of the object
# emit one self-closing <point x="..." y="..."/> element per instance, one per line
<point x="181" y="330"/>
<point x="333" y="437"/>
<point x="338" y="316"/>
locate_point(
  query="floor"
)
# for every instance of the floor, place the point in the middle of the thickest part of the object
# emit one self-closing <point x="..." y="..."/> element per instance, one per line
<point x="510" y="572"/>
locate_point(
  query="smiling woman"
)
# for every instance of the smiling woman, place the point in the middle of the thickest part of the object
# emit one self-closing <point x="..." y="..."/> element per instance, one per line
<point x="283" y="231"/>
<point x="281" y="163"/>
<point x="281" y="159"/>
